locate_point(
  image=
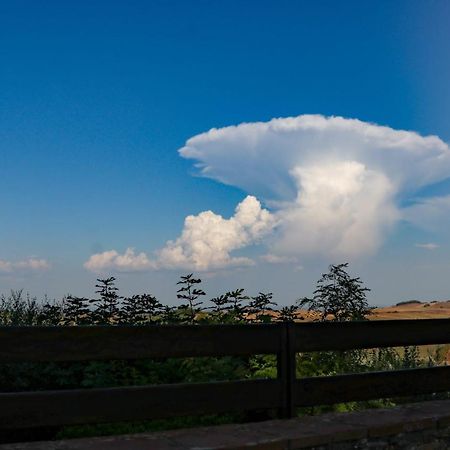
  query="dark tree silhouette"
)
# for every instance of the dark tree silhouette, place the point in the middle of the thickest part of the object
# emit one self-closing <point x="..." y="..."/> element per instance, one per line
<point x="189" y="292"/>
<point x="76" y="311"/>
<point x="140" y="309"/>
<point x="107" y="306"/>
<point x="338" y="296"/>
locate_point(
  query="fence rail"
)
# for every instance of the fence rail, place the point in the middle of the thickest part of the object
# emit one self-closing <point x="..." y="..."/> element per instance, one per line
<point x="19" y="410"/>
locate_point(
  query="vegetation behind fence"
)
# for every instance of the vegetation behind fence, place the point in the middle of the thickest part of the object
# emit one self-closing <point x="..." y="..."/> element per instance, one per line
<point x="82" y="362"/>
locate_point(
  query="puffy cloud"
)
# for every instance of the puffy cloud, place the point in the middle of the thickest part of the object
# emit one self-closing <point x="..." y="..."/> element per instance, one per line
<point x="428" y="246"/>
<point x="208" y="239"/>
<point x="113" y="261"/>
<point x="335" y="184"/>
<point x="205" y="243"/>
<point x="27" y="265"/>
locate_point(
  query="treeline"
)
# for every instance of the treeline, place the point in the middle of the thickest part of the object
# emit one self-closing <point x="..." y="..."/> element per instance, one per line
<point x="110" y="308"/>
<point x="337" y="297"/>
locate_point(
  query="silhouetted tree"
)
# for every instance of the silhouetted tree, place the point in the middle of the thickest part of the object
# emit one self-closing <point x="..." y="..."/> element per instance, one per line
<point x="140" y="309"/>
<point x="259" y="307"/>
<point x="189" y="292"/>
<point x="76" y="311"/>
<point x="237" y="308"/>
<point x="288" y="314"/>
<point x="107" y="306"/>
<point x="338" y="296"/>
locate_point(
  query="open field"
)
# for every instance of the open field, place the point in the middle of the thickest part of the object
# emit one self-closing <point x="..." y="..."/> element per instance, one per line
<point x="414" y="310"/>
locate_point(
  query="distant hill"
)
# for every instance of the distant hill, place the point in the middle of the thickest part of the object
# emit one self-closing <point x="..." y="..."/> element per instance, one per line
<point x="414" y="309"/>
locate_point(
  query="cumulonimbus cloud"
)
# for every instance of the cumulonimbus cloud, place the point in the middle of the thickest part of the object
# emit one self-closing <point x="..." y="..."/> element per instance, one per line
<point x="31" y="264"/>
<point x="335" y="187"/>
<point x="335" y="184"/>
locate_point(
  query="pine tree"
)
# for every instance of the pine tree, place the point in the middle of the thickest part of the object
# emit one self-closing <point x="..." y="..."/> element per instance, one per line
<point x="140" y="309"/>
<point x="76" y="311"/>
<point x="107" y="306"/>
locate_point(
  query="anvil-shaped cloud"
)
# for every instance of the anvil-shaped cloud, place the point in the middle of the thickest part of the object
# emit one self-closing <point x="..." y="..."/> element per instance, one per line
<point x="335" y="186"/>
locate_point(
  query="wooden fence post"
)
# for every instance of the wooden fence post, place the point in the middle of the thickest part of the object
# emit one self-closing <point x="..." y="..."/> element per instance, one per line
<point x="286" y="370"/>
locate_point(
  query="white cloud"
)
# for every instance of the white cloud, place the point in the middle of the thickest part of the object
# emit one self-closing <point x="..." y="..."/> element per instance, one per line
<point x="276" y="259"/>
<point x="205" y="243"/>
<point x="335" y="184"/>
<point x="342" y="209"/>
<point x="428" y="246"/>
<point x="27" y="265"/>
<point x="113" y="261"/>
<point x="208" y="239"/>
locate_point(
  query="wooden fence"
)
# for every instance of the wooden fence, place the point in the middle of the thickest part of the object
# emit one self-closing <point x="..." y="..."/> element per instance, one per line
<point x="20" y="410"/>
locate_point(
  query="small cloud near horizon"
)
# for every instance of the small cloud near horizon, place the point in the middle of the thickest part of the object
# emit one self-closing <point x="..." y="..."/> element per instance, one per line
<point x="428" y="246"/>
<point x="31" y="264"/>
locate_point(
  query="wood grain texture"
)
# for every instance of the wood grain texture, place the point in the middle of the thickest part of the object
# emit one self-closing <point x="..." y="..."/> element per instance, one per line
<point x="372" y="385"/>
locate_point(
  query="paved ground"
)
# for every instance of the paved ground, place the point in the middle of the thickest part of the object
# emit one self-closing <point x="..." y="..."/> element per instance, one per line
<point x="272" y="435"/>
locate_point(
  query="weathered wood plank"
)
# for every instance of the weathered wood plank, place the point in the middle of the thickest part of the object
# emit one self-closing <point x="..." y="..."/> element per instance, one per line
<point x="84" y="406"/>
<point x="130" y="342"/>
<point x="318" y="336"/>
<point x="366" y="386"/>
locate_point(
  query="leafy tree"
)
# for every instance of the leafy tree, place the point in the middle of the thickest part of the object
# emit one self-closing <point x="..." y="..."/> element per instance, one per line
<point x="288" y="313"/>
<point x="221" y="307"/>
<point x="189" y="292"/>
<point x="140" y="309"/>
<point x="236" y="308"/>
<point x="338" y="296"/>
<point x="259" y="307"/>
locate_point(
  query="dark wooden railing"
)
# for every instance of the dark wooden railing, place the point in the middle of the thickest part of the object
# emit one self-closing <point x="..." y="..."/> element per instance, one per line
<point x="20" y="410"/>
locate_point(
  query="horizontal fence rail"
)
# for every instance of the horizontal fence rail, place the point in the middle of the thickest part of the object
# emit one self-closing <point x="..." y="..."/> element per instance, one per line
<point x="372" y="385"/>
<point x="81" y="406"/>
<point x="317" y="336"/>
<point x="20" y="410"/>
<point x="85" y="343"/>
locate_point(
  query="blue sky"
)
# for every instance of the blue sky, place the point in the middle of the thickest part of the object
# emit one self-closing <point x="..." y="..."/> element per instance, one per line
<point x="97" y="98"/>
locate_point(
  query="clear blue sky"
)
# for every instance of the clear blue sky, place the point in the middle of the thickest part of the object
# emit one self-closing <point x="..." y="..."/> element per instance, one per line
<point x="97" y="97"/>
